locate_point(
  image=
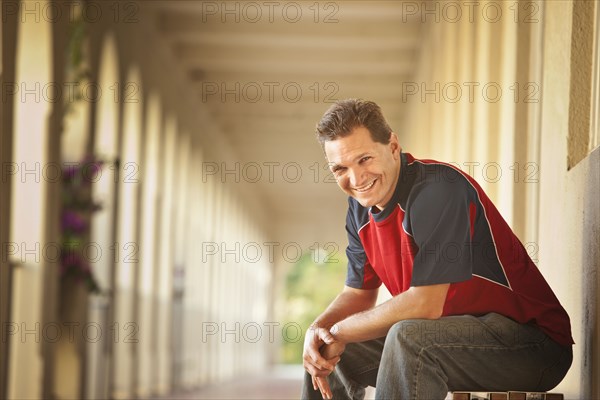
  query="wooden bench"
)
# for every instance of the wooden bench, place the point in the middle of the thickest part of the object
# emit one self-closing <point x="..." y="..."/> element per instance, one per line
<point x="506" y="396"/>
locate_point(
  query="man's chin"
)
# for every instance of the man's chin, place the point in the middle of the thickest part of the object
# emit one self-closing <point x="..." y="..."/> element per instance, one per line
<point x="366" y="203"/>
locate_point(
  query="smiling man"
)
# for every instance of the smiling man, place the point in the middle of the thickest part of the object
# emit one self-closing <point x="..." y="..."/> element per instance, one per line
<point x="470" y="310"/>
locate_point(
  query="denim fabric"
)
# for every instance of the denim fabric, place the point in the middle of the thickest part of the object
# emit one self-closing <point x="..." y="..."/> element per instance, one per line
<point x="424" y="359"/>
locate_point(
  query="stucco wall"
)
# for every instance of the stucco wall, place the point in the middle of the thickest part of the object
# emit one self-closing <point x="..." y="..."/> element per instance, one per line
<point x="566" y="238"/>
<point x="569" y="210"/>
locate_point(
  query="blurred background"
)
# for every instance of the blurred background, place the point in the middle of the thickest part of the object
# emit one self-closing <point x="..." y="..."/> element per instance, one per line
<point x="169" y="226"/>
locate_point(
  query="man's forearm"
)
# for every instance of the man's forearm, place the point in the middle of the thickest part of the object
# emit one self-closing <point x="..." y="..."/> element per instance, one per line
<point x="349" y="302"/>
<point x="416" y="303"/>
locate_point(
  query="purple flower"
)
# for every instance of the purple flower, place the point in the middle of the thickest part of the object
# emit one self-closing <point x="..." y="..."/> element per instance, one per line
<point x="70" y="262"/>
<point x="73" y="261"/>
<point x="72" y="221"/>
<point x="70" y="171"/>
<point x="77" y="205"/>
<point x="92" y="171"/>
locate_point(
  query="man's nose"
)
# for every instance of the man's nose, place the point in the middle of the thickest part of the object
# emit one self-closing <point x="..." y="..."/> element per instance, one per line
<point x="355" y="176"/>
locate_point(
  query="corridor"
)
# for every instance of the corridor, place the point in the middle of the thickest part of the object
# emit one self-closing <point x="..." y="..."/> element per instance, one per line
<point x="170" y="225"/>
<point x="276" y="384"/>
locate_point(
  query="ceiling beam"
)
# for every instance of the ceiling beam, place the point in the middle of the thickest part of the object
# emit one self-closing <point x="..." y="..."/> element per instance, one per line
<point x="309" y="41"/>
<point x="300" y="67"/>
<point x="335" y="12"/>
<point x="179" y="26"/>
<point x="389" y="102"/>
<point x="193" y="52"/>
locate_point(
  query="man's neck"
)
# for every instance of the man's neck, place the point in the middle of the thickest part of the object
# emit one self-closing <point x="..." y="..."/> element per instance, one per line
<point x="378" y="208"/>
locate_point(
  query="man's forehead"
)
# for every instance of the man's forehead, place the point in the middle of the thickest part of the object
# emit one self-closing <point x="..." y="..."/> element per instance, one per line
<point x="343" y="155"/>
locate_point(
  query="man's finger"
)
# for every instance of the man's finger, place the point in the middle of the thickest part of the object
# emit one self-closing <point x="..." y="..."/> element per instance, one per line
<point x="309" y="361"/>
<point x="326" y="336"/>
<point x="313" y="371"/>
<point x="317" y="372"/>
<point x="320" y="335"/>
<point x="324" y="387"/>
<point x="317" y="360"/>
<point x="320" y="387"/>
<point x="333" y="361"/>
<point x="314" y="382"/>
<point x="329" y="365"/>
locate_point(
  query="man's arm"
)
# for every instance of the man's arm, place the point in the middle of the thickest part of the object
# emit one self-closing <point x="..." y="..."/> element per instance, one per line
<point x="349" y="301"/>
<point x="419" y="302"/>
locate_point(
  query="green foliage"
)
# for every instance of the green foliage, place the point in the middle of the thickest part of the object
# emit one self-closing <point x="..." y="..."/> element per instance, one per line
<point x="310" y="287"/>
<point x="76" y="70"/>
<point x="77" y="201"/>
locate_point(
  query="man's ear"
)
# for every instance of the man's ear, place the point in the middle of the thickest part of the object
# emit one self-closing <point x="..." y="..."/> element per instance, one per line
<point x="395" y="145"/>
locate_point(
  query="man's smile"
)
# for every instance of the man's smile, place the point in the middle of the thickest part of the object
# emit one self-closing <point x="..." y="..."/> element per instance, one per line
<point x="366" y="187"/>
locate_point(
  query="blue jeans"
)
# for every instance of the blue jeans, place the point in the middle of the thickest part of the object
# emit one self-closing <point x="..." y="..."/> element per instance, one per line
<point x="425" y="359"/>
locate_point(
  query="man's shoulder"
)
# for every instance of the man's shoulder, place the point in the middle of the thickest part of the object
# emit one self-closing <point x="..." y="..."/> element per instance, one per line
<point x="433" y="171"/>
<point x="438" y="185"/>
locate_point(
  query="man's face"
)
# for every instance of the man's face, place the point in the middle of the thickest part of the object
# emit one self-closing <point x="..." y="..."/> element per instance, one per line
<point x="364" y="169"/>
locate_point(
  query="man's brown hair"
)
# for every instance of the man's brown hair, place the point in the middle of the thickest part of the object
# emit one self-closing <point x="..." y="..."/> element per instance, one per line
<point x="345" y="115"/>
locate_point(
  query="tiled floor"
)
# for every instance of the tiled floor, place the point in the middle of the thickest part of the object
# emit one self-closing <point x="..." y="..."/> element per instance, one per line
<point x="282" y="383"/>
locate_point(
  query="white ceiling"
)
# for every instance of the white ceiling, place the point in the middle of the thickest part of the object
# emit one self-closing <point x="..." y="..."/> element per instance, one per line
<point x="360" y="49"/>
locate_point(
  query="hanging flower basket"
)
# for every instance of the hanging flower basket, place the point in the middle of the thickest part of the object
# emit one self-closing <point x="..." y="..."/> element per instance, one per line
<point x="77" y="209"/>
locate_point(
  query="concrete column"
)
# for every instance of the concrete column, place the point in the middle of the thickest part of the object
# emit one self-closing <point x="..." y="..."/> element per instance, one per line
<point x="166" y="260"/>
<point x="448" y="61"/>
<point x="122" y="351"/>
<point x="483" y="91"/>
<point x="7" y="74"/>
<point x="147" y="245"/>
<point x="507" y="106"/>
<point x="498" y="173"/>
<point x="464" y="48"/>
<point x="28" y="210"/>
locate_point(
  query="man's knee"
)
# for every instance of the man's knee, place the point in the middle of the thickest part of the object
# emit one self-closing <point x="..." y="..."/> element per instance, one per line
<point x="421" y="332"/>
<point x="405" y="331"/>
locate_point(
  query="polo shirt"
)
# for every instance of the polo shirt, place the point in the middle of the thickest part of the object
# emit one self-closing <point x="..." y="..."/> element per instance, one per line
<point x="440" y="227"/>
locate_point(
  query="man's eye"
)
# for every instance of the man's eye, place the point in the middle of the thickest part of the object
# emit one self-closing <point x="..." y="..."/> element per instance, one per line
<point x="365" y="159"/>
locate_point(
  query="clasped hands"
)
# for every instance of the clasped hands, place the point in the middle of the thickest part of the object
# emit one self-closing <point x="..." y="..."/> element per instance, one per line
<point x="322" y="352"/>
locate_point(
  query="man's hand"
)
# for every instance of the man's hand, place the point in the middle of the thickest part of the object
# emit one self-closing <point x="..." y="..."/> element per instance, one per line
<point x="333" y="350"/>
<point x="314" y="363"/>
<point x="329" y="352"/>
